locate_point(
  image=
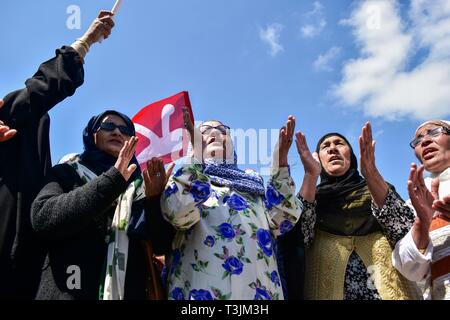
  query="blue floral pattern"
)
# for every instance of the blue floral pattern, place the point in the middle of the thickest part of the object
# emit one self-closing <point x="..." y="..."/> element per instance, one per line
<point x="223" y="248"/>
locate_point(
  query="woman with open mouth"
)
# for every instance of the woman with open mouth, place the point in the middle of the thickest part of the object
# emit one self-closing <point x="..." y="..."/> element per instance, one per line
<point x="423" y="255"/>
<point x="226" y="220"/>
<point x="350" y="223"/>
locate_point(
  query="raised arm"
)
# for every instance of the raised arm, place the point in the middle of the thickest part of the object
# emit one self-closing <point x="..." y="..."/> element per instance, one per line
<point x="55" y="80"/>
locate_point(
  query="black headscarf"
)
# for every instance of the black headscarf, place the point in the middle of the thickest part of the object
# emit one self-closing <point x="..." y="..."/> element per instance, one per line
<point x="99" y="161"/>
<point x="344" y="203"/>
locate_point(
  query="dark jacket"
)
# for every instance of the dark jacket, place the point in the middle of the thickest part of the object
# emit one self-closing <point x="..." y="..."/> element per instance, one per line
<point x="73" y="218"/>
<point x="24" y="161"/>
<point x="291" y="262"/>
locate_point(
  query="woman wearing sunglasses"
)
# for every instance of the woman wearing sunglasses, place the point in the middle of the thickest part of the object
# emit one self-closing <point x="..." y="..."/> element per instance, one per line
<point x="95" y="212"/>
<point x="424" y="253"/>
<point x="226" y="220"/>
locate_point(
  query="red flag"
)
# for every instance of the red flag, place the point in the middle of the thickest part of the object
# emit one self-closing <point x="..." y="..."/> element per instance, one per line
<point x="160" y="129"/>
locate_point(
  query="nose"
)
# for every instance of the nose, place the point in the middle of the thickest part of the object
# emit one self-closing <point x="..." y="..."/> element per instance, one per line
<point x="116" y="131"/>
<point x="332" y="149"/>
<point x="426" y="141"/>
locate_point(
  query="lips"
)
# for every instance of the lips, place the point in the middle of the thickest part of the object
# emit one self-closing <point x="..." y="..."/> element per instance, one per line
<point x="116" y="141"/>
<point x="428" y="153"/>
<point x="333" y="158"/>
<point x="212" y="140"/>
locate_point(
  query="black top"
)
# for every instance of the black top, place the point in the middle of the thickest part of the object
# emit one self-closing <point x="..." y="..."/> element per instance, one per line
<point x="73" y="217"/>
<point x="24" y="160"/>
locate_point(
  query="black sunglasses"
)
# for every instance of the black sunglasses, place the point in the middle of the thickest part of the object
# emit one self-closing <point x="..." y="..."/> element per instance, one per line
<point x="109" y="126"/>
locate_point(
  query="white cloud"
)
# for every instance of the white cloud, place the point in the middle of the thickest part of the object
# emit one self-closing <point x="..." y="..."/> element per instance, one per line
<point x="271" y="36"/>
<point x="322" y="63"/>
<point x="315" y="21"/>
<point x="381" y="79"/>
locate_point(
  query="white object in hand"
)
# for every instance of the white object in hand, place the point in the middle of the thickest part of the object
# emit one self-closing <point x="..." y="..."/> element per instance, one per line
<point x="113" y="11"/>
<point x="116" y="6"/>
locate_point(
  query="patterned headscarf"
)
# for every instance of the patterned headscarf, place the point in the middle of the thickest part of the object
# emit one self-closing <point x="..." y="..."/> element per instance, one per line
<point x="223" y="173"/>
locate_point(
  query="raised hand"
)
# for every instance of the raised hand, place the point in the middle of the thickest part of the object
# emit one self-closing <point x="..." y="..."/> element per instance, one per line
<point x="284" y="143"/>
<point x="442" y="205"/>
<point x="375" y="182"/>
<point x="311" y="162"/>
<point x="5" y="132"/>
<point x="194" y="135"/>
<point x="100" y="28"/>
<point x="421" y="198"/>
<point x="367" y="151"/>
<point x="125" y="156"/>
<point x="156" y="177"/>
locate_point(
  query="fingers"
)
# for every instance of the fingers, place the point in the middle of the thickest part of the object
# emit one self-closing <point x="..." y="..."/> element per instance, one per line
<point x="187" y="118"/>
<point x="105" y="13"/>
<point x="147" y="180"/>
<point x="169" y="170"/>
<point x="316" y="156"/>
<point x="8" y="135"/>
<point x="435" y="188"/>
<point x="150" y="168"/>
<point x="3" y="128"/>
<point x="129" y="148"/>
<point x="411" y="192"/>
<point x="412" y="173"/>
<point x="131" y="169"/>
<point x="419" y="176"/>
<point x="107" y="24"/>
<point x="299" y="142"/>
<point x="290" y="126"/>
<point x="161" y="169"/>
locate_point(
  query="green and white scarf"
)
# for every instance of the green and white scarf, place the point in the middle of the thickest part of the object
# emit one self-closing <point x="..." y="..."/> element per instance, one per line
<point x="113" y="286"/>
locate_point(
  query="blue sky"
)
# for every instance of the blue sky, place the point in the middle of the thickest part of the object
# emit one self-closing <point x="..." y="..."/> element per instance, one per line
<point x="250" y="63"/>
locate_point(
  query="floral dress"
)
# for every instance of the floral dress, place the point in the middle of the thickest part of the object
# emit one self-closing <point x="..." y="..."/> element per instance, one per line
<point x="395" y="219"/>
<point x="224" y="245"/>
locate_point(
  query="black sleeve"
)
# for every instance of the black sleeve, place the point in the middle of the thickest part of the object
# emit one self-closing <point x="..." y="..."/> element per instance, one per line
<point x="55" y="80"/>
<point x="62" y="210"/>
<point x="161" y="232"/>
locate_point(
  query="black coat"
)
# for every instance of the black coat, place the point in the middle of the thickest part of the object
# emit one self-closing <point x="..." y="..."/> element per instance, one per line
<point x="24" y="161"/>
<point x="73" y="217"/>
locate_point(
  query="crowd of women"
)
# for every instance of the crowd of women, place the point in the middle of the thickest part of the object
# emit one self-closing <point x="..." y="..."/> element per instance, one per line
<point x="92" y="226"/>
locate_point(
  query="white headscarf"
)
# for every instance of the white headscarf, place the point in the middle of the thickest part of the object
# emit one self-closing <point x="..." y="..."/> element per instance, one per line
<point x="445" y="123"/>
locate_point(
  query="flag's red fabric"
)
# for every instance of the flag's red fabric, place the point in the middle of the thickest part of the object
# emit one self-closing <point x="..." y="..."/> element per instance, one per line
<point x="160" y="129"/>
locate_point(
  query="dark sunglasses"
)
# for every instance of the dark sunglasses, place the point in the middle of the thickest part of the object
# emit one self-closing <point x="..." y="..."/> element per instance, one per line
<point x="205" y="129"/>
<point x="109" y="126"/>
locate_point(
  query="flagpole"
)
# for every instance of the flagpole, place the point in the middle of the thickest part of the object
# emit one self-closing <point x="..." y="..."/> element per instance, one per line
<point x="116" y="6"/>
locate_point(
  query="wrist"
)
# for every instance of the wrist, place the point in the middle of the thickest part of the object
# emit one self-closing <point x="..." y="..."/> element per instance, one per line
<point x="421" y="227"/>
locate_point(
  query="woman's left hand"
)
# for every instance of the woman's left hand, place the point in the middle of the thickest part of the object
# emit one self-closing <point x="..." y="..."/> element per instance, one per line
<point x="156" y="177"/>
<point x="377" y="186"/>
<point x="284" y="143"/>
<point x="367" y="151"/>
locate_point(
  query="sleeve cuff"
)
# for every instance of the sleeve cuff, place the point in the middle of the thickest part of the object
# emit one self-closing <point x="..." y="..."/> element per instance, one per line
<point x="280" y="173"/>
<point x="414" y="252"/>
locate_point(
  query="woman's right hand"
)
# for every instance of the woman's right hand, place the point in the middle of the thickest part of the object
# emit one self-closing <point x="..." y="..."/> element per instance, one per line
<point x="194" y="134"/>
<point x="100" y="28"/>
<point x="5" y="132"/>
<point x="310" y="161"/>
<point x="125" y="156"/>
<point x="421" y="198"/>
<point x="422" y="201"/>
